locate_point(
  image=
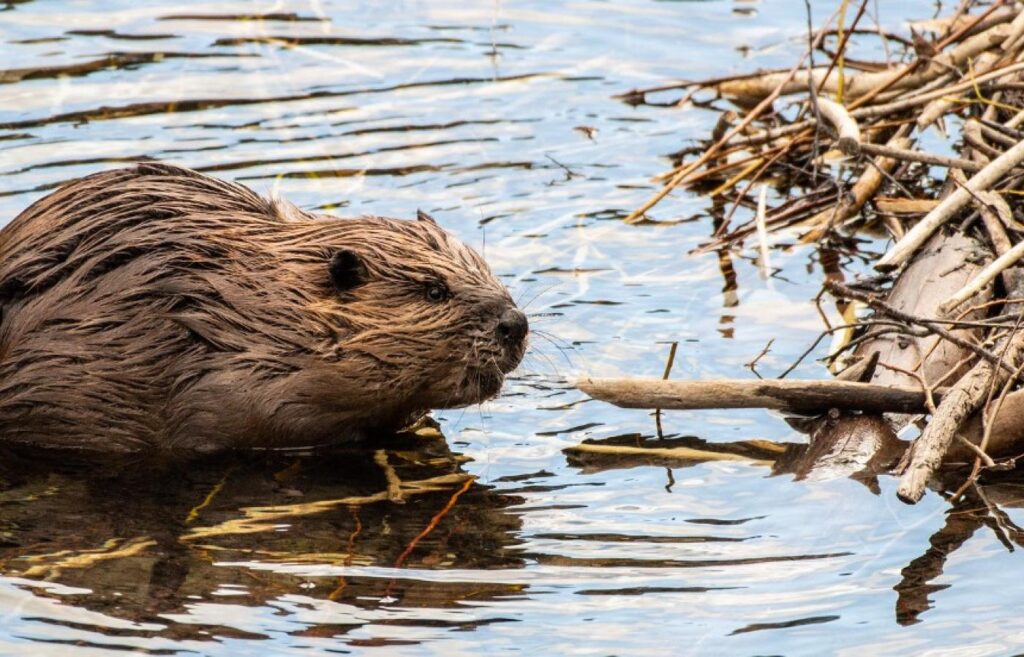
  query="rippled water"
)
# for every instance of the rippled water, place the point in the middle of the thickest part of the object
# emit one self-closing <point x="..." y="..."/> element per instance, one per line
<point x="475" y="112"/>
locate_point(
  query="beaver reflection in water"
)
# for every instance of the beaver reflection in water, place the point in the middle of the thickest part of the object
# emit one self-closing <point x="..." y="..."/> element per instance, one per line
<point x="157" y="307"/>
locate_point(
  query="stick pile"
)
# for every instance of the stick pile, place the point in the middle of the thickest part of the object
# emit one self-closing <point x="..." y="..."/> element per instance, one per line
<point x="944" y="337"/>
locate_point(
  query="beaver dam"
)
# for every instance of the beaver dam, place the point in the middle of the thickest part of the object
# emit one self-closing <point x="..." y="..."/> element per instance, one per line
<point x="927" y="149"/>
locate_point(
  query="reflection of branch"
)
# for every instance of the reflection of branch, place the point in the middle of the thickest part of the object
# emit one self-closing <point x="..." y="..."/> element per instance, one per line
<point x="267" y="518"/>
<point x="1006" y="530"/>
<point x="114" y="549"/>
<point x="664" y="453"/>
<point x="976" y="509"/>
<point x="380" y="457"/>
<point x="853" y="445"/>
<point x="752" y="365"/>
<point x="433" y="522"/>
<point x="914" y="587"/>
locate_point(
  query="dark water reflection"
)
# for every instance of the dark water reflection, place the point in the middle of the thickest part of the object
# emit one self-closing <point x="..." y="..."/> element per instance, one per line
<point x="500" y="119"/>
<point x="145" y="541"/>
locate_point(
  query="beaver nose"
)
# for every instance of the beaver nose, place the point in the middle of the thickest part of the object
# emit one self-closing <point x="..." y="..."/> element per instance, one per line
<point x="512" y="327"/>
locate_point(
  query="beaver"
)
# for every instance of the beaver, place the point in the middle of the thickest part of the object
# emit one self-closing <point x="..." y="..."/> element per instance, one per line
<point x="157" y="307"/>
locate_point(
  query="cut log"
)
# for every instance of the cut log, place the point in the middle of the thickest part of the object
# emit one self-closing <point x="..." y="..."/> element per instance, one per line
<point x="1007" y="434"/>
<point x="964" y="398"/>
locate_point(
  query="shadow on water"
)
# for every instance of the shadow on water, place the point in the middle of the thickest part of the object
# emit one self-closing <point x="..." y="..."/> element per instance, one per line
<point x="143" y="541"/>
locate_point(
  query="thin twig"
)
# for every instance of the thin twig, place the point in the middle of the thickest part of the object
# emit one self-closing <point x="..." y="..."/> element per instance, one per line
<point x="637" y="214"/>
<point x="933" y="325"/>
<point x="752" y="365"/>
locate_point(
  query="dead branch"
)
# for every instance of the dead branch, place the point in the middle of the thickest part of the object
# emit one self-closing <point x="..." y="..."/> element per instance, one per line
<point x="846" y="127"/>
<point x="931" y="324"/>
<point x="753" y="89"/>
<point x="794" y="396"/>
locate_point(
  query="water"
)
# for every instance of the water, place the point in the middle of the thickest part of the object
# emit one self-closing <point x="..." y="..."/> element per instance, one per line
<point x="473" y="112"/>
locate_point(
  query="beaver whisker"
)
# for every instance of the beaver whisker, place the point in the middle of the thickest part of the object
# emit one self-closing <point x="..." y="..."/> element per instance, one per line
<point x="563" y="351"/>
<point x="530" y="356"/>
<point x="557" y="342"/>
<point x="544" y="291"/>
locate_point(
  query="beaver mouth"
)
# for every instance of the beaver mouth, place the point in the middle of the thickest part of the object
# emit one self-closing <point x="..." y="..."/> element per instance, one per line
<point x="481" y="383"/>
<point x="511" y="357"/>
<point x="483" y="380"/>
<point x="487" y="383"/>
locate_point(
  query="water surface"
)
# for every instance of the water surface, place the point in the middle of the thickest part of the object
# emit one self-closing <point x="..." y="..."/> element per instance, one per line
<point x="500" y="119"/>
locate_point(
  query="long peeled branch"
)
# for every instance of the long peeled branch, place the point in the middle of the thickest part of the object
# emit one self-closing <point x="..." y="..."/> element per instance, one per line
<point x="792" y="395"/>
<point x="916" y="100"/>
<point x="911" y="100"/>
<point x="939" y="107"/>
<point x="985" y="62"/>
<point x="980" y="182"/>
<point x="861" y="84"/>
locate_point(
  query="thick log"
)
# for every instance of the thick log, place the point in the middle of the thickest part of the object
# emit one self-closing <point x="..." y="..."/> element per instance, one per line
<point x="792" y="395"/>
<point x="944" y="266"/>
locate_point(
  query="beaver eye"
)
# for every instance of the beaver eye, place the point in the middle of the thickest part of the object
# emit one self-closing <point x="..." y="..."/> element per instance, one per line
<point x="436" y="292"/>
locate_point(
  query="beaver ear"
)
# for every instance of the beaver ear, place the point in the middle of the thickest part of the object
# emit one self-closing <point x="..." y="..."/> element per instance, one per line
<point x="347" y="270"/>
<point x="423" y="216"/>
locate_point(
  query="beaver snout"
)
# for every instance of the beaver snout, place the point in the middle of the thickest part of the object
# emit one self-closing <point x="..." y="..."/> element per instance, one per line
<point x="511" y="331"/>
<point x="512" y="327"/>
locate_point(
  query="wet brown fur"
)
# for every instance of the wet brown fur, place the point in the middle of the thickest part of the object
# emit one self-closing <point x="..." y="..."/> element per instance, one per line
<point x="157" y="307"/>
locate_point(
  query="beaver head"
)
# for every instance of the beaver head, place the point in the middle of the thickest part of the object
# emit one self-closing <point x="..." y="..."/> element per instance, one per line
<point x="422" y="313"/>
<point x="156" y="306"/>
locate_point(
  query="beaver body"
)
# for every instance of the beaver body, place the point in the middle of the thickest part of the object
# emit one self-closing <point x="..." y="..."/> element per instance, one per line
<point x="157" y="307"/>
